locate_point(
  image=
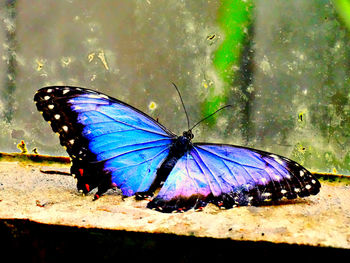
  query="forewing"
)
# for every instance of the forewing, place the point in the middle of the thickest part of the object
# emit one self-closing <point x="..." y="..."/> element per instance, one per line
<point x="230" y="176"/>
<point x="110" y="142"/>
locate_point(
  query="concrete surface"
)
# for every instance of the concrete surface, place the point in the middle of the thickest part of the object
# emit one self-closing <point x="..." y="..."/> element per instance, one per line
<point x="321" y="220"/>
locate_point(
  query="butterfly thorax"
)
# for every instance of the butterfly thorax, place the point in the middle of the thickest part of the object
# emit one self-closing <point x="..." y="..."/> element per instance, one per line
<point x="180" y="146"/>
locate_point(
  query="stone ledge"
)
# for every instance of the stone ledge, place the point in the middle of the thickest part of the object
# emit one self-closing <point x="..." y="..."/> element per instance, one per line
<point x="322" y="220"/>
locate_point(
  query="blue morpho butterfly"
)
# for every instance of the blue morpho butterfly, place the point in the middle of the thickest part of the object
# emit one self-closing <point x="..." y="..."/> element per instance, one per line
<point x="114" y="144"/>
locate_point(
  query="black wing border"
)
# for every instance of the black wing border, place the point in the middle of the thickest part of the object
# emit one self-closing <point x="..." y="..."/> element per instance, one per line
<point x="91" y="91"/>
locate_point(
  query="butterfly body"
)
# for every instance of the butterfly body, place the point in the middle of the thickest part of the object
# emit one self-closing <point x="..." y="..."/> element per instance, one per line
<point x="178" y="148"/>
<point x="113" y="144"/>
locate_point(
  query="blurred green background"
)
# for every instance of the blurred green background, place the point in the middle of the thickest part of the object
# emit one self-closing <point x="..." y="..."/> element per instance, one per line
<point x="283" y="65"/>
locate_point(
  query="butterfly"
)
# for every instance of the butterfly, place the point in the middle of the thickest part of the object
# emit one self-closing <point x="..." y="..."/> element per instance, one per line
<point x="112" y="144"/>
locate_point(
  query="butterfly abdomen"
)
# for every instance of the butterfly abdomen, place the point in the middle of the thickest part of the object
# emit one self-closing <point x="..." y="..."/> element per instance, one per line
<point x="178" y="148"/>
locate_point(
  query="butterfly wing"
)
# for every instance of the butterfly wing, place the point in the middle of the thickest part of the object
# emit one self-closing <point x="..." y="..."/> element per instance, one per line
<point x="110" y="143"/>
<point x="230" y="176"/>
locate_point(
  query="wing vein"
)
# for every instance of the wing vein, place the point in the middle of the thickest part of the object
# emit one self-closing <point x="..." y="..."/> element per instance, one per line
<point x="108" y="133"/>
<point x="150" y="159"/>
<point x="228" y="159"/>
<point x="205" y="176"/>
<point x="128" y="145"/>
<point x="228" y="168"/>
<point x="127" y="124"/>
<point x="219" y="183"/>
<point x="132" y="151"/>
<point x="194" y="181"/>
<point x="142" y="114"/>
<point x="282" y="174"/>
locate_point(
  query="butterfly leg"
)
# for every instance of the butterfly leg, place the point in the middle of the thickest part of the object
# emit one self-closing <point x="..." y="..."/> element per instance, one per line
<point x="200" y="204"/>
<point x="104" y="185"/>
<point x="144" y="195"/>
<point x="162" y="174"/>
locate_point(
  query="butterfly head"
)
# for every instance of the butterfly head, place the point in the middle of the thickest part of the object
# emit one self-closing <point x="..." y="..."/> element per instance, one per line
<point x="188" y="134"/>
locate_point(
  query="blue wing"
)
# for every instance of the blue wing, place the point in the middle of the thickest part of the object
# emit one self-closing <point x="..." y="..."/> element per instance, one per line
<point x="230" y="176"/>
<point x="110" y="143"/>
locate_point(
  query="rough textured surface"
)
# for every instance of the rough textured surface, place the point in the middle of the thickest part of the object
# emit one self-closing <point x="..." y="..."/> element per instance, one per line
<point x="322" y="220"/>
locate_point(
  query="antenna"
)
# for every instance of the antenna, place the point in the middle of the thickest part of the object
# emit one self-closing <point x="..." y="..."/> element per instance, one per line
<point x="209" y="116"/>
<point x="183" y="105"/>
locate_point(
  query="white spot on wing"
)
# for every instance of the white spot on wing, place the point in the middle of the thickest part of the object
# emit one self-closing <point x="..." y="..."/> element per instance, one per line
<point x="77" y="108"/>
<point x="308" y="186"/>
<point x="65" y="128"/>
<point x="277" y="158"/>
<point x="49" y="90"/>
<point x="94" y="96"/>
<point x="71" y="141"/>
<point x="65" y="91"/>
<point x="51" y="106"/>
<point x="57" y="116"/>
<point x="46" y="97"/>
